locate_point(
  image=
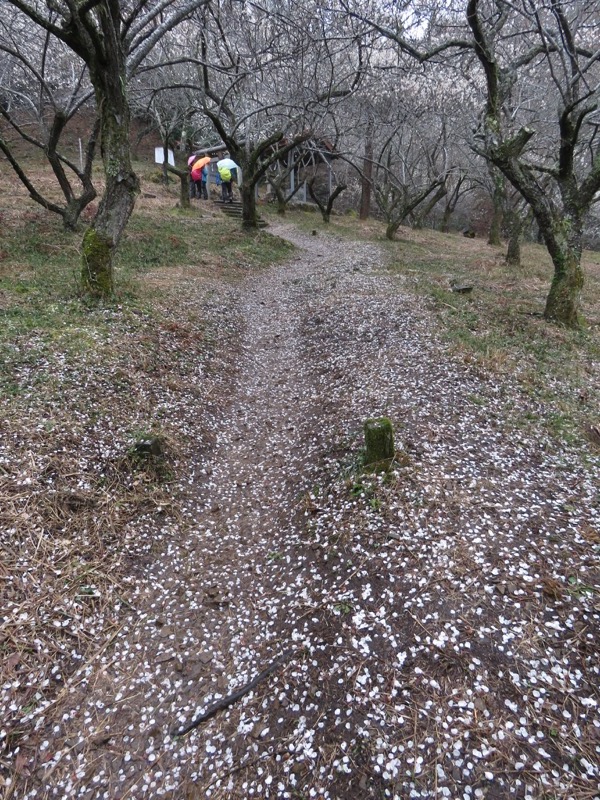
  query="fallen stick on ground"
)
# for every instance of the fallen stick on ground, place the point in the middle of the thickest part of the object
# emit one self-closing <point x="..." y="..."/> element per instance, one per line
<point x="224" y="702"/>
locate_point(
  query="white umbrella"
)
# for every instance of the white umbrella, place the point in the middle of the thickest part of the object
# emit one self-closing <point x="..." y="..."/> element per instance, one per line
<point x="227" y="163"/>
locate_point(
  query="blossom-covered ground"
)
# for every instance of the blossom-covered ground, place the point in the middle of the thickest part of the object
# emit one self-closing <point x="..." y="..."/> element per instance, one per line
<point x="439" y="622"/>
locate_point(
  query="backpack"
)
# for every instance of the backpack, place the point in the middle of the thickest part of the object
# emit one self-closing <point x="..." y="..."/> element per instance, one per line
<point x="225" y="174"/>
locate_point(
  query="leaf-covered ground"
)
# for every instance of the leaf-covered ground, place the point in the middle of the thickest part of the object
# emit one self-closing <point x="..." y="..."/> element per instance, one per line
<point x="439" y="623"/>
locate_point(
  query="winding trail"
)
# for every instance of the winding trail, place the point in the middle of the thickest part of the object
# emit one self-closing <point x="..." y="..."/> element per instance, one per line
<point x="273" y="550"/>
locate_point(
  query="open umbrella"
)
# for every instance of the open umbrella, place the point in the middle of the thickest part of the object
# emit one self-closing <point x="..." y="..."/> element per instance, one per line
<point x="227" y="163"/>
<point x="197" y="167"/>
<point x="191" y="160"/>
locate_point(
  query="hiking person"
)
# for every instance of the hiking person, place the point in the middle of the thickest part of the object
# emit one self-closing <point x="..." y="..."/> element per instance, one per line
<point x="198" y="176"/>
<point x="194" y="187"/>
<point x="226" y="187"/>
<point x="228" y="172"/>
<point x="203" y="183"/>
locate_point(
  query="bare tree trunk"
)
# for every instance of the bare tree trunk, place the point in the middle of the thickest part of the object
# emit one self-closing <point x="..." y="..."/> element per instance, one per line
<point x="277" y="184"/>
<point x="562" y="229"/>
<point x="74" y="205"/>
<point x="165" y="164"/>
<point x="367" y="174"/>
<point x="281" y="204"/>
<point x="565" y="247"/>
<point x="184" y="185"/>
<point x="248" y="197"/>
<point x="498" y="202"/>
<point x="514" y="224"/>
<point x="391" y="229"/>
<point x="400" y="204"/>
<point x="513" y="251"/>
<point x="445" y="224"/>
<point x="328" y="208"/>
<point x="122" y="184"/>
<point x="426" y="210"/>
<point x="452" y="199"/>
<point x="561" y="223"/>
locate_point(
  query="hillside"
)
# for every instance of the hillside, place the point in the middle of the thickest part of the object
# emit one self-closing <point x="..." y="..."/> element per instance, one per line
<point x="184" y="508"/>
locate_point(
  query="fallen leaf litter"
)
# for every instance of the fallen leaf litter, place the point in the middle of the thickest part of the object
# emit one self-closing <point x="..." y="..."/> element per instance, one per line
<point x="445" y="615"/>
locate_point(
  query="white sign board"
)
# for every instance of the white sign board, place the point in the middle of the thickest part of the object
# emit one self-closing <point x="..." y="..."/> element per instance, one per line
<point x="159" y="156"/>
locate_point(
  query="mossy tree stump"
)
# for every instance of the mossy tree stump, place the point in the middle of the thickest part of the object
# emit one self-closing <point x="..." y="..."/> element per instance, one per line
<point x="379" y="441"/>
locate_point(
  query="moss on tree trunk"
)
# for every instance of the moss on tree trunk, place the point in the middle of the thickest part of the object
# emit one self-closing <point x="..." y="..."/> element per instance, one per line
<point x="562" y="303"/>
<point x="96" y="270"/>
<point x="513" y="251"/>
<point x="496" y="227"/>
<point x="564" y="243"/>
<point x="514" y="224"/>
<point x="391" y="230"/>
<point x="122" y="184"/>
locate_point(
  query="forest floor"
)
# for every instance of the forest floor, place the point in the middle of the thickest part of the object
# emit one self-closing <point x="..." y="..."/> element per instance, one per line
<point x="431" y="631"/>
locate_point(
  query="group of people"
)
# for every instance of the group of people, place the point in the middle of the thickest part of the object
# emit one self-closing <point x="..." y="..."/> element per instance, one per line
<point x="227" y="174"/>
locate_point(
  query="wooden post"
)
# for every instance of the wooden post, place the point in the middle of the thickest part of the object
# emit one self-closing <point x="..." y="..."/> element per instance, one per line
<point x="379" y="440"/>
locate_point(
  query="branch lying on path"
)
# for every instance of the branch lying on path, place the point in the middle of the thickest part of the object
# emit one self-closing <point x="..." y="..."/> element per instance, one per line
<point x="225" y="702"/>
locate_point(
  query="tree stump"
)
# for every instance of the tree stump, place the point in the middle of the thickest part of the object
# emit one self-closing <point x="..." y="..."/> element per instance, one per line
<point x="379" y="440"/>
<point x="150" y="447"/>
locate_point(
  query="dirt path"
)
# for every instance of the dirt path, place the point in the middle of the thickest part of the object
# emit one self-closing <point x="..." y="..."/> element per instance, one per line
<point x="206" y="611"/>
<point x="410" y="604"/>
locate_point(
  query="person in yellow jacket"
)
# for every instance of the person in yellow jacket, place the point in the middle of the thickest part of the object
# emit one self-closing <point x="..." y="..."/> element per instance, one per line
<point x="228" y="172"/>
<point x="226" y="184"/>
